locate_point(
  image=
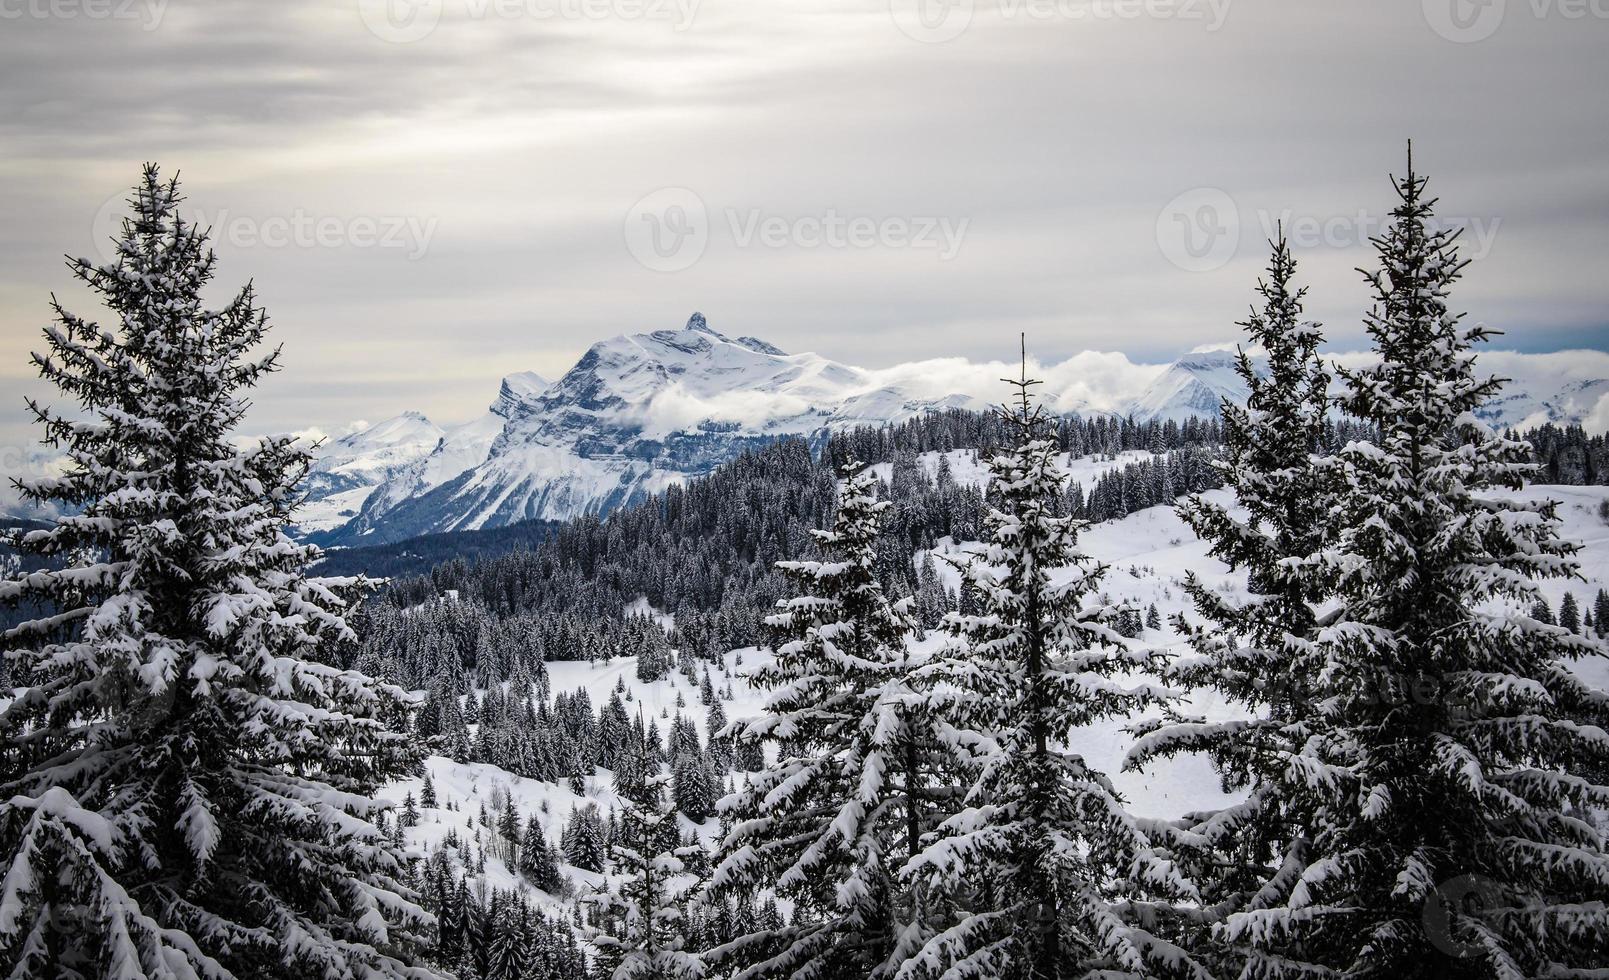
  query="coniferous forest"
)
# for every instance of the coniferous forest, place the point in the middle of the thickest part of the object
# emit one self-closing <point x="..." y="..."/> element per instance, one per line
<point x="894" y="651"/>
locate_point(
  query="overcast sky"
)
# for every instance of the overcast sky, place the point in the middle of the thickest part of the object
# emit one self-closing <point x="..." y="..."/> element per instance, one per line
<point x="431" y="195"/>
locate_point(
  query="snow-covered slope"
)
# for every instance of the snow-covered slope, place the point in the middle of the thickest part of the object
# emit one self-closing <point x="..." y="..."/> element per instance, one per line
<point x="347" y="469"/>
<point x="1149" y="553"/>
<point x="640" y="412"/>
<point x="457" y="449"/>
<point x="1194" y="386"/>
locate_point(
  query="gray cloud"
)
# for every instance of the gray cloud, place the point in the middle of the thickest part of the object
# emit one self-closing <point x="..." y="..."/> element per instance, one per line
<point x="523" y="141"/>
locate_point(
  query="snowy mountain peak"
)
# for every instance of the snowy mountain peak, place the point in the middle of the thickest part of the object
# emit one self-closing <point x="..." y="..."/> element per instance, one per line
<point x="1193" y="386"/>
<point x="639" y="412"/>
<point x="519" y="391"/>
<point x="408" y="435"/>
<point x="347" y="469"/>
<point x="1198" y="361"/>
<point x="698" y="323"/>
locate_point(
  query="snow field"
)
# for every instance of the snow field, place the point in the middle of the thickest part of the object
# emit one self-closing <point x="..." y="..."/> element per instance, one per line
<point x="1148" y="553"/>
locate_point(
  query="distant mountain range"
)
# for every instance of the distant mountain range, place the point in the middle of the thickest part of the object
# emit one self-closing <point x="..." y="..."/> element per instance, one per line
<point x="638" y="413"/>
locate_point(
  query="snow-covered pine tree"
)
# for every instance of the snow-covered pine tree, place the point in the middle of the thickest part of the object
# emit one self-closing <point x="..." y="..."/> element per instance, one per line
<point x="509" y="832"/>
<point x="694" y="788"/>
<point x="818" y="824"/>
<point x="653" y="656"/>
<point x="188" y="781"/>
<point x="583" y="838"/>
<point x="538" y="861"/>
<point x="649" y="942"/>
<point x="1453" y="753"/>
<point x="1570" y="613"/>
<point x="1542" y="612"/>
<point x="1054" y="878"/>
<point x="1256" y="650"/>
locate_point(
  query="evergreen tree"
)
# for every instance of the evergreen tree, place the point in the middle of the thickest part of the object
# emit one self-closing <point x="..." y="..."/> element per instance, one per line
<point x="817" y="823"/>
<point x="931" y="601"/>
<point x="694" y="788"/>
<point x="1058" y="877"/>
<point x="427" y="796"/>
<point x="509" y="832"/>
<point x="188" y="780"/>
<point x="653" y="657"/>
<point x="583" y="839"/>
<point x="1453" y="752"/>
<point x="1257" y="652"/>
<point x="510" y="941"/>
<point x="720" y="747"/>
<point x="1542" y="612"/>
<point x="1570" y="613"/>
<point x="537" y="860"/>
<point x="1600" y="611"/>
<point x="650" y="943"/>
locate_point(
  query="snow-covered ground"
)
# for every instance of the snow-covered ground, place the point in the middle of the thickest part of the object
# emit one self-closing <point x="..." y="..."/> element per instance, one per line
<point x="331" y="511"/>
<point x="969" y="466"/>
<point x="1149" y="553"/>
<point x="467" y="786"/>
